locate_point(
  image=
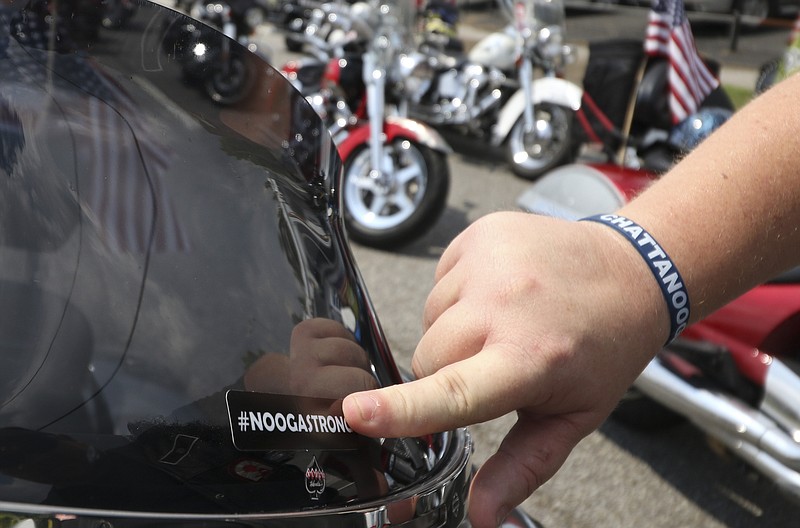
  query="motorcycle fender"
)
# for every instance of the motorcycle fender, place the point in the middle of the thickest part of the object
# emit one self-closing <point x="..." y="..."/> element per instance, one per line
<point x="578" y="190"/>
<point x="545" y="90"/>
<point x="393" y="128"/>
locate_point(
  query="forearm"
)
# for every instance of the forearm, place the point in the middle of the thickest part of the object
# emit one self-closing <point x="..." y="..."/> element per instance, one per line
<point x="729" y="213"/>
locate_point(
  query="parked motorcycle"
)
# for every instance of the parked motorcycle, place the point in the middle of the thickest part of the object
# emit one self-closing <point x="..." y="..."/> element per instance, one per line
<point x="734" y="374"/>
<point x="578" y="190"/>
<point x="334" y="30"/>
<point x="396" y="176"/>
<point x="204" y="45"/>
<point x="181" y="314"/>
<point x="297" y="17"/>
<point x="623" y="109"/>
<point x="492" y="92"/>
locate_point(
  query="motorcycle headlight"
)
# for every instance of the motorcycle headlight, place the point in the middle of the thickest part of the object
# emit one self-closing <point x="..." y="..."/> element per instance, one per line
<point x="550" y="46"/>
<point x="551" y="42"/>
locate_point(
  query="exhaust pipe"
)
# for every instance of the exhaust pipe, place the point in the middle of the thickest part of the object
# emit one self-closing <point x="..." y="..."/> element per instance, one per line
<point x="748" y="433"/>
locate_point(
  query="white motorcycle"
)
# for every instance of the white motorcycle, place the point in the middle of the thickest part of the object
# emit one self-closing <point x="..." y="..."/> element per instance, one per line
<point x="493" y="93"/>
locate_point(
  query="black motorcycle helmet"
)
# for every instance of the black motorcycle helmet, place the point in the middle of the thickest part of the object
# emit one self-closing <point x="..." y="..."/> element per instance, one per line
<point x="180" y="313"/>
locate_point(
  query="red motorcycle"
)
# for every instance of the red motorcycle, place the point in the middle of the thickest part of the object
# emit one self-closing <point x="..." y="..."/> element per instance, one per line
<point x="396" y="176"/>
<point x="734" y="374"/>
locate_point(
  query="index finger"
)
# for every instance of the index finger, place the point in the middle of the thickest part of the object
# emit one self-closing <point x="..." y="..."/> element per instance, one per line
<point x="470" y="391"/>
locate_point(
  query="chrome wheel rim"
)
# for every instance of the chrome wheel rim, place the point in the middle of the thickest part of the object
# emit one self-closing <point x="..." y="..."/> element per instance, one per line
<point x="384" y="199"/>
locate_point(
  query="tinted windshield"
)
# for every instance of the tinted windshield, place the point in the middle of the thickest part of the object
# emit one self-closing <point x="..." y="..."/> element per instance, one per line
<point x="179" y="313"/>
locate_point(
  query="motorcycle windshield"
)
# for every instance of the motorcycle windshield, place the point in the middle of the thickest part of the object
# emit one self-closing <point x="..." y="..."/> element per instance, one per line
<point x="549" y="13"/>
<point x="530" y="16"/>
<point x="180" y="315"/>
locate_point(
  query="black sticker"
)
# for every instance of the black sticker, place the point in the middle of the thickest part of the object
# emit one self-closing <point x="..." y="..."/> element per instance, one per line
<point x="265" y="422"/>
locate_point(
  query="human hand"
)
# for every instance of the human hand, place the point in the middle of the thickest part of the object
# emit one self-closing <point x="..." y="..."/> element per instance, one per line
<point x="548" y="318"/>
<point x="324" y="361"/>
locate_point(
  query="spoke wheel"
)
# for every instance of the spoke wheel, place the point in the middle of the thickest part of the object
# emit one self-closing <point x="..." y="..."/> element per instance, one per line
<point x="398" y="202"/>
<point x="550" y="144"/>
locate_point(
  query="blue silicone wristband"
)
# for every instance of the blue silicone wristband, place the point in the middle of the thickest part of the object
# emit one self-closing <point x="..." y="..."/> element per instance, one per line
<point x="664" y="270"/>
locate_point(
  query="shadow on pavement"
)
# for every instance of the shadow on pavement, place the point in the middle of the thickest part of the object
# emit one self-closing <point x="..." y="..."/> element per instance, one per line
<point x="718" y="483"/>
<point x="434" y="242"/>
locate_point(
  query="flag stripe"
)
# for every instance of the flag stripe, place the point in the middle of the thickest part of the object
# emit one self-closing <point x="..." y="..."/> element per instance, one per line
<point x="125" y="192"/>
<point x="123" y="188"/>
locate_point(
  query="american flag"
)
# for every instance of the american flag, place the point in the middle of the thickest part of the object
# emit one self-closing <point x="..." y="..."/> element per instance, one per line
<point x="123" y="192"/>
<point x="123" y="169"/>
<point x="669" y="35"/>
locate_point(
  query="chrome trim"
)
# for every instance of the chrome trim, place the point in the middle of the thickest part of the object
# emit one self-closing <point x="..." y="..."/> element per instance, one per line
<point x="782" y="396"/>
<point x="439" y="500"/>
<point x="746" y="431"/>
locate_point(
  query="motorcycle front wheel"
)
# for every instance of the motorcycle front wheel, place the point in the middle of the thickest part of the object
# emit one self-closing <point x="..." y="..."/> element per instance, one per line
<point x="530" y="154"/>
<point x="401" y="201"/>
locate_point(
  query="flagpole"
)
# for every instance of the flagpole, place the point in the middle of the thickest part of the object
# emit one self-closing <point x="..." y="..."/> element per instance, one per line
<point x="626" y="126"/>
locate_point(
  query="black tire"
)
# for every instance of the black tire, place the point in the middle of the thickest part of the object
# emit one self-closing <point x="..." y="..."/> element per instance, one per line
<point x="643" y="413"/>
<point x="229" y="84"/>
<point x="392" y="225"/>
<point x="532" y="155"/>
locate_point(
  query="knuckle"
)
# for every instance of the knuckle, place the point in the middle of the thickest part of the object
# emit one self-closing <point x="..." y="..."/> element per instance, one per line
<point x="418" y="367"/>
<point x="429" y="314"/>
<point x="456" y="393"/>
<point x="397" y="411"/>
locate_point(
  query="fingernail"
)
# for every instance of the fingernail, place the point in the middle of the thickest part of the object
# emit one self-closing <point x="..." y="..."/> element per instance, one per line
<point x="367" y="406"/>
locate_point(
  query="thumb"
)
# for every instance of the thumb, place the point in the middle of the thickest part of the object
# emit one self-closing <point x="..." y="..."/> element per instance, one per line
<point x="532" y="451"/>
